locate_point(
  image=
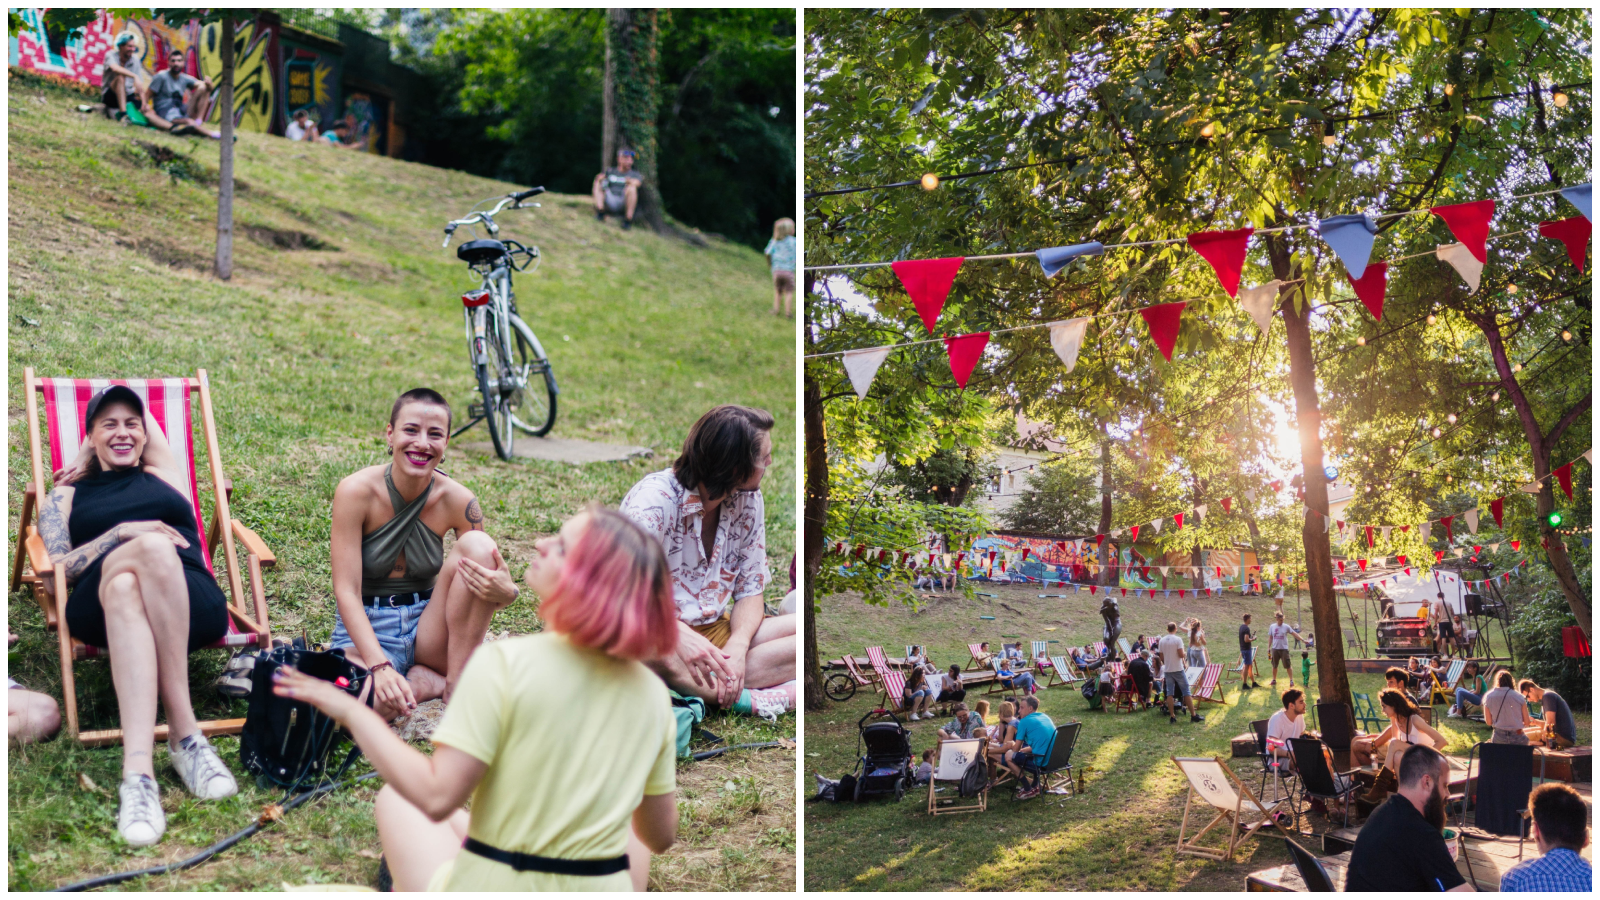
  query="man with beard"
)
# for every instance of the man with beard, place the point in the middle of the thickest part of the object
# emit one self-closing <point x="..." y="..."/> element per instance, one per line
<point x="1401" y="848"/>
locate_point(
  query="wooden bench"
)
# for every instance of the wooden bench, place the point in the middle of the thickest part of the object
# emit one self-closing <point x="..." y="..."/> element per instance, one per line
<point x="1569" y="765"/>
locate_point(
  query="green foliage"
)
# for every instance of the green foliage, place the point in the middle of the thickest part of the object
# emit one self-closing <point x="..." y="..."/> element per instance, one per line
<point x="1060" y="498"/>
<point x="1536" y="639"/>
<point x="948" y="476"/>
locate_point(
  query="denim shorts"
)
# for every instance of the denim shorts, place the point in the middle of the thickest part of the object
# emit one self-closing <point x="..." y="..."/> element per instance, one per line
<point x="1177" y="685"/>
<point x="396" y="628"/>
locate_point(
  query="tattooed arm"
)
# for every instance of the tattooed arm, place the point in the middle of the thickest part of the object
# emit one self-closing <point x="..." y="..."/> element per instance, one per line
<point x="474" y="515"/>
<point x="490" y="585"/>
<point x="53" y="514"/>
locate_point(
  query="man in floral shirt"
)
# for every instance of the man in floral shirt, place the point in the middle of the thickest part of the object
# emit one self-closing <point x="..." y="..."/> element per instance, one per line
<point x="708" y="513"/>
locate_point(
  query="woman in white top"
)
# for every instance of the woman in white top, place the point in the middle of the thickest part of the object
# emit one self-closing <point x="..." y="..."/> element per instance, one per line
<point x="950" y="686"/>
<point x="1506" y="711"/>
<point x="1197" y="645"/>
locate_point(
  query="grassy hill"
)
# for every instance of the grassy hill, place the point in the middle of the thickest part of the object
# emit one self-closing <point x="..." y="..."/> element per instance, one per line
<point x="341" y="299"/>
<point x="1119" y="834"/>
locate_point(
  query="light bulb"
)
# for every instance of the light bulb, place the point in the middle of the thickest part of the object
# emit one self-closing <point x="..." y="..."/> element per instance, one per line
<point x="1449" y="478"/>
<point x="1495" y="397"/>
<point x="1512" y="289"/>
<point x="1329" y="140"/>
<point x="1209" y="130"/>
<point x="1361" y="342"/>
<point x="1451" y="418"/>
<point x="1449" y="90"/>
<point x="1516" y="367"/>
<point x="1566" y="335"/>
<point x="1436" y="432"/>
<point x="1559" y="99"/>
<point x="1432" y="318"/>
<point x="930" y="181"/>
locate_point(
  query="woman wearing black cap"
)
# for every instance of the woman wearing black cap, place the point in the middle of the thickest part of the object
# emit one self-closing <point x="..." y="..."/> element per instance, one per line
<point x="121" y="524"/>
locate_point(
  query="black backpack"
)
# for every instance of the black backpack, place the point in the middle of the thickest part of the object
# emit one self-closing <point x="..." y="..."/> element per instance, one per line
<point x="974" y="779"/>
<point x="288" y="742"/>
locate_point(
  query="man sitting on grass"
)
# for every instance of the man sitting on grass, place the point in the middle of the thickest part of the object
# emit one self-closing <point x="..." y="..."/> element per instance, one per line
<point x="961" y="727"/>
<point x="178" y="101"/>
<point x="1401" y="847"/>
<point x="616" y="191"/>
<point x="1558" y="731"/>
<point x="708" y="513"/>
<point x="119" y="85"/>
<point x="1561" y="829"/>
<point x="1035" y="734"/>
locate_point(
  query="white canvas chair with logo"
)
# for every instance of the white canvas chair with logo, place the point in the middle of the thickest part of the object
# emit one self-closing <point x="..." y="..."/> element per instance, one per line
<point x="954" y="758"/>
<point x="1216" y="786"/>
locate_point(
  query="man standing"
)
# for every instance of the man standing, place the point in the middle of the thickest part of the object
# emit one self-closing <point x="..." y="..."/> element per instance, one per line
<point x="707" y="511"/>
<point x="1444" y="638"/>
<point x="1035" y="734"/>
<point x="1176" y="679"/>
<point x="1247" y="653"/>
<point x="1561" y="829"/>
<point x="1401" y="847"/>
<point x="1558" y="731"/>
<point x="616" y="191"/>
<point x="178" y="101"/>
<point x="1278" y="635"/>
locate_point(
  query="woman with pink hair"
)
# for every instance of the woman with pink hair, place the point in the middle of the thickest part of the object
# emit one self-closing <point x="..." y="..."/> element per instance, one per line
<point x="541" y="820"/>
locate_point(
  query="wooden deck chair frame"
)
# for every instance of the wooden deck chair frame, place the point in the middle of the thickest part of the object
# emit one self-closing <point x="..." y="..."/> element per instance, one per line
<point x="976" y="662"/>
<point x="963" y="754"/>
<point x="1061" y="675"/>
<point x="862" y="679"/>
<point x="1234" y="796"/>
<point x="893" y="687"/>
<point x="1445" y="691"/>
<point x="1209" y="686"/>
<point x="31" y="564"/>
<point x="997" y="685"/>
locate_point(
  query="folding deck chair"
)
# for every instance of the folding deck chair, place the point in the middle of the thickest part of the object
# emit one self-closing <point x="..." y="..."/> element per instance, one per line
<point x="893" y="686"/>
<point x="1365" y="712"/>
<point x="979" y="659"/>
<point x="1214" y="783"/>
<point x="168" y="404"/>
<point x="1041" y="661"/>
<point x="1127" y="649"/>
<point x="1445" y="691"/>
<point x="953" y="760"/>
<point x="1061" y="672"/>
<point x="1209" y="685"/>
<point x="862" y="679"/>
<point x="1099" y="648"/>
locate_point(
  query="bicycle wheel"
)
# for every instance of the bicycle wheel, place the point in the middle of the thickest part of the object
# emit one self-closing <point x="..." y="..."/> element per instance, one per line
<point x="495" y="412"/>
<point x="839" y="687"/>
<point x="534" y="407"/>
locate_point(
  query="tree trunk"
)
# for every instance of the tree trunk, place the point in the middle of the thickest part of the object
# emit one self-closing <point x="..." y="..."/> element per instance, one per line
<point x="1540" y="446"/>
<point x="815" y="517"/>
<point x="1334" y="681"/>
<point x="224" y="266"/>
<point x="1103" y="552"/>
<point x="636" y="89"/>
<point x="608" y="109"/>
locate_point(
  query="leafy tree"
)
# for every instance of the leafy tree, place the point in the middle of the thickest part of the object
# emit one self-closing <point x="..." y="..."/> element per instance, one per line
<point x="1059" y="498"/>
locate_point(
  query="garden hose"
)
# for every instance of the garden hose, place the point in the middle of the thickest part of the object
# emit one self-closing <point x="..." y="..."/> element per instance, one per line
<point x="707" y="754"/>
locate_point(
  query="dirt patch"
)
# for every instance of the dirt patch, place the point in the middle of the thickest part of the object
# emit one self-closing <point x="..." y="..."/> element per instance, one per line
<point x="736" y="829"/>
<point x="169" y="255"/>
<point x="286" y="238"/>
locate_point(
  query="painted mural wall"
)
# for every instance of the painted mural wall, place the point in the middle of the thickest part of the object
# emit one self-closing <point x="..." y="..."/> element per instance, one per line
<point x="309" y="81"/>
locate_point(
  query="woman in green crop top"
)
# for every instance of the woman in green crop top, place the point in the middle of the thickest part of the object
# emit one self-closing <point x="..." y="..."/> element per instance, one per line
<point x="389" y="563"/>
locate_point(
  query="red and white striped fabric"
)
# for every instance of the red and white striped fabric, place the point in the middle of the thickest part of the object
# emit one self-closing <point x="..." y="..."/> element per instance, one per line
<point x="166" y="402"/>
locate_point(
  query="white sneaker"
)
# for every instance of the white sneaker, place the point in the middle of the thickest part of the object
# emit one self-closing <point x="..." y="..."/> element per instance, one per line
<point x="140" y="820"/>
<point x="1453" y="713"/>
<point x="202" y="770"/>
<point x="770" y="704"/>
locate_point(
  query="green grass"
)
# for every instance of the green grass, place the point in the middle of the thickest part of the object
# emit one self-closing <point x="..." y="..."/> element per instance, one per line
<point x="306" y="350"/>
<point x="1119" y="835"/>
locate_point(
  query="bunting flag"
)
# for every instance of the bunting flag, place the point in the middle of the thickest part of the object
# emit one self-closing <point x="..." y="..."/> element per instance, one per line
<point x="862" y="367"/>
<point x="1225" y="250"/>
<point x="1200" y="511"/>
<point x="1465" y="264"/>
<point x="1469" y="222"/>
<point x="1579" y="195"/>
<point x="1065" y="338"/>
<point x="928" y="282"/>
<point x="1179" y="519"/>
<point x="1448" y="535"/>
<point x="1227" y="504"/>
<point x="1362" y="564"/>
<point x="1471" y="516"/>
<point x="1369" y="537"/>
<point x="1516" y="545"/>
<point x="1133" y="534"/>
<point x="1054" y="259"/>
<point x="1573" y="233"/>
<point x="1385" y="529"/>
<point x="1438" y="556"/>
<point x="1156" y="524"/>
<point x="1091" y="590"/>
<point x="1163" y="320"/>
<point x="1370" y="288"/>
<point x="1497" y="507"/>
<point x="1180" y="593"/>
<point x="1564" y="476"/>
<point x="1351" y="238"/>
<point x="1098" y="540"/>
<point x="1259" y="301"/>
<point x="1340" y="563"/>
<point x="1402" y="561"/>
<point x="965" y="351"/>
<point x="1425" y="531"/>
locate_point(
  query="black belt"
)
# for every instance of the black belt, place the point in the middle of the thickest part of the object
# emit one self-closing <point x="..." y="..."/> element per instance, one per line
<point x="527" y="862"/>
<point x="399" y="599"/>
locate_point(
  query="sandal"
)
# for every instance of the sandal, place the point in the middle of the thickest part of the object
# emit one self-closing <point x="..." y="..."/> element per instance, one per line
<point x="235" y="680"/>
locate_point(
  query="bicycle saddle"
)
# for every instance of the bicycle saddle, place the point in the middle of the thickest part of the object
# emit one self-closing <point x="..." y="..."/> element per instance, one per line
<point x="480" y="251"/>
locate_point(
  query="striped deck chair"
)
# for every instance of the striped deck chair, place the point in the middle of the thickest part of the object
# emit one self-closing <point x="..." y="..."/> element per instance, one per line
<point x="168" y="402"/>
<point x="862" y="679"/>
<point x="1238" y="669"/>
<point x="1061" y="672"/>
<point x="1209" y="685"/>
<point x="1127" y="649"/>
<point x="979" y="660"/>
<point x="1041" y="657"/>
<point x="1444" y="690"/>
<point x="892" y="685"/>
<point x="878" y="660"/>
<point x="1099" y="648"/>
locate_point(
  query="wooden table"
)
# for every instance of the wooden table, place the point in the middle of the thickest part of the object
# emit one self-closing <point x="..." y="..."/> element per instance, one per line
<point x="1481" y="862"/>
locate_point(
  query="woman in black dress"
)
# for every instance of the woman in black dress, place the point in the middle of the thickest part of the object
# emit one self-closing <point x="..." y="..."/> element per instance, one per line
<point x="121" y="524"/>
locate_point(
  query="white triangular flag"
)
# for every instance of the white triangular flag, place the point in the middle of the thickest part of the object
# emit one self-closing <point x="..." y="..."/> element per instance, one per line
<point x="1165" y="570"/>
<point x="1065" y="338"/>
<point x="1425" y="530"/>
<point x="1258" y="302"/>
<point x="1494" y="547"/>
<point x="862" y="367"/>
<point x="1458" y="552"/>
<point x="1156" y="524"/>
<point x="1327" y="521"/>
<point x="1471" y="516"/>
<point x="1589" y="455"/>
<point x="1250" y="495"/>
<point x="1531" y="487"/>
<point x="1200" y="511"/>
<point x="1462" y="260"/>
<point x="1386" y="529"/>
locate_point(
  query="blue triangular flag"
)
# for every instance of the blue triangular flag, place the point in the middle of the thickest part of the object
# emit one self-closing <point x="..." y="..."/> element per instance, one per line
<point x="1351" y="238"/>
<point x="1579" y="195"/>
<point x="1054" y="259"/>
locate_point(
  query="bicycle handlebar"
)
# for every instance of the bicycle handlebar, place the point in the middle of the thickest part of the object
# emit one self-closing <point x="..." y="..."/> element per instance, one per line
<point x="514" y="201"/>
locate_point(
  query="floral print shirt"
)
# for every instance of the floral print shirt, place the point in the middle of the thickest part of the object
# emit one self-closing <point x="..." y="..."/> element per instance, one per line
<point x="703" y="587"/>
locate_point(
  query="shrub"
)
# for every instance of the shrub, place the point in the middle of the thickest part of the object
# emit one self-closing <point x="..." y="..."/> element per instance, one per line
<point x="1535" y="633"/>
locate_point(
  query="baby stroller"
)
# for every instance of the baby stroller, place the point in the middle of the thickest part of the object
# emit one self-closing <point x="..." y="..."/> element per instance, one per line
<point x="885" y="749"/>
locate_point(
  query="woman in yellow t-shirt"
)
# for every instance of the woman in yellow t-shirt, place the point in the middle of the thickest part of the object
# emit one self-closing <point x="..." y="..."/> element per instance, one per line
<point x="540" y="820"/>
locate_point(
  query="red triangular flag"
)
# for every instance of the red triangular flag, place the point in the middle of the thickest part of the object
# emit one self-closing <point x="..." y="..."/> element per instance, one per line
<point x="1369" y="535"/>
<point x="1091" y="590"/>
<point x="1516" y="545"/>
<point x="1144" y="572"/>
<point x="1219" y="571"/>
<point x="1448" y="535"/>
<point x="1163" y="320"/>
<point x="1362" y="563"/>
<point x="1370" y="287"/>
<point x="1469" y="222"/>
<point x="928" y="282"/>
<point x="1025" y="551"/>
<point x="1062" y="546"/>
<point x="1133" y="534"/>
<point x="1573" y="232"/>
<point x="1408" y="572"/>
<point x="1225" y="250"/>
<point x="1099" y="539"/>
<point x="1404" y="528"/>
<point x="1564" y="475"/>
<point x="1180" y="593"/>
<point x="1227" y="504"/>
<point x="1341" y="565"/>
<point x="1124" y="592"/>
<point x="965" y="350"/>
<point x="1438" y="556"/>
<point x="1497" y="506"/>
<point x="1401" y="559"/>
<point x="1179" y="519"/>
<point x="1340" y="523"/>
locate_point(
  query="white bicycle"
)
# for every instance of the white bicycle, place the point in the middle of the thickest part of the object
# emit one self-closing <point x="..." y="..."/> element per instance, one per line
<point x="517" y="385"/>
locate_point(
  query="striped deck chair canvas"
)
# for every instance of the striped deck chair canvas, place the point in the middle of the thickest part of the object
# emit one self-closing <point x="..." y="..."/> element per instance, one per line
<point x="893" y="686"/>
<point x="878" y="660"/>
<point x="1041" y="658"/>
<point x="1127" y="649"/>
<point x="1099" y="648"/>
<point x="168" y="404"/>
<point x="1060" y="673"/>
<point x="1209" y="687"/>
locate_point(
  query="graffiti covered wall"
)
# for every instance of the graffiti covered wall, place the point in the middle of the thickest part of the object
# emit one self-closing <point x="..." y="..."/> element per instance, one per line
<point x="254" y="52"/>
<point x="309" y="80"/>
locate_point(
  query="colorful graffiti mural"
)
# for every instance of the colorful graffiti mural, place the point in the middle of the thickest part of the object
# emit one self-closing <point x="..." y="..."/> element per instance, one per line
<point x="253" y="82"/>
<point x="366" y="116"/>
<point x="1047" y="558"/>
<point x="310" y="81"/>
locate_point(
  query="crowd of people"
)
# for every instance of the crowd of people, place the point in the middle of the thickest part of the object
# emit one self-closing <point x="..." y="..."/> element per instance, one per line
<point x="664" y="592"/>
